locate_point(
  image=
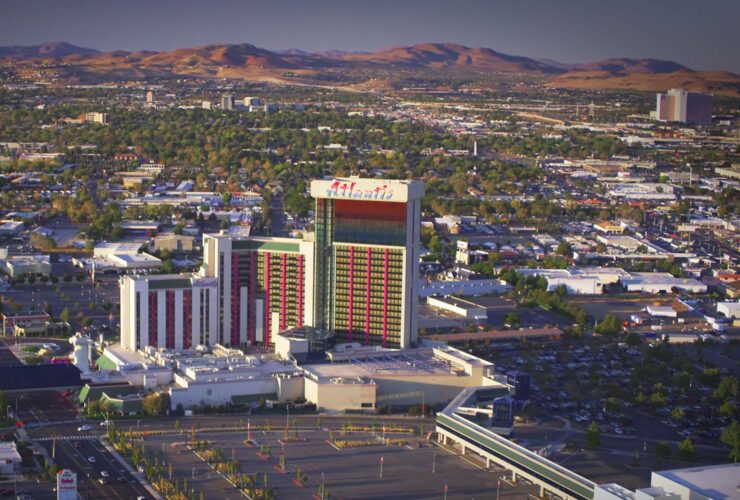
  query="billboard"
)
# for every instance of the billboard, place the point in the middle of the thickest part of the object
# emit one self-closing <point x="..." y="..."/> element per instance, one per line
<point x="66" y="485"/>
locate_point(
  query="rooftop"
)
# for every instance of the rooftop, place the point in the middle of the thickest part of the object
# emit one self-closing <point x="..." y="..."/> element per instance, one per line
<point x="714" y="481"/>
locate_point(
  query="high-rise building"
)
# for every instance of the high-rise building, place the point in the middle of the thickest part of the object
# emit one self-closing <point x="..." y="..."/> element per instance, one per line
<point x="355" y="277"/>
<point x="678" y="105"/>
<point x="176" y="311"/>
<point x="367" y="259"/>
<point x="227" y="102"/>
<point x="149" y="97"/>
<point x="265" y="285"/>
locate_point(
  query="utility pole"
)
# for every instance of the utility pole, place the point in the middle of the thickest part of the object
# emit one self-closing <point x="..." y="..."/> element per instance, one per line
<point x="434" y="463"/>
<point x="381" y="467"/>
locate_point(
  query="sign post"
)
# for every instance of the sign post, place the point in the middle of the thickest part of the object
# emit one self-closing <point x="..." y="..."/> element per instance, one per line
<point x="66" y="485"/>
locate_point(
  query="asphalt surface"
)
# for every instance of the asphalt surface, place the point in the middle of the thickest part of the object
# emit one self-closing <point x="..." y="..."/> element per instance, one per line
<point x="72" y="449"/>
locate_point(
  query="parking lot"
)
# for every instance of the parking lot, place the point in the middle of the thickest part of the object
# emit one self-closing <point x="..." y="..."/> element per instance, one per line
<point x="419" y="470"/>
<point x="599" y="381"/>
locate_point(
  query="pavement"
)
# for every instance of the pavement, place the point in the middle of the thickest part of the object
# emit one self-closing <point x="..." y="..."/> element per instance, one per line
<point x="80" y="451"/>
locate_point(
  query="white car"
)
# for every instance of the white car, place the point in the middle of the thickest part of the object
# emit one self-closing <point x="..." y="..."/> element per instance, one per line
<point x="104" y="423"/>
<point x="104" y="473"/>
<point x="83" y="428"/>
<point x="91" y="460"/>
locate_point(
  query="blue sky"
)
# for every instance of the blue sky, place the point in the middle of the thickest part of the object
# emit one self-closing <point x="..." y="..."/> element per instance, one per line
<point x="700" y="34"/>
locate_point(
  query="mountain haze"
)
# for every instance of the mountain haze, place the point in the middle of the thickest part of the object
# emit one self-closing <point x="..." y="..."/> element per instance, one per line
<point x="421" y="61"/>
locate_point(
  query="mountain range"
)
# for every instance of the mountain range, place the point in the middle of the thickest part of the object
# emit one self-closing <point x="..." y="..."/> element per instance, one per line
<point x="393" y="67"/>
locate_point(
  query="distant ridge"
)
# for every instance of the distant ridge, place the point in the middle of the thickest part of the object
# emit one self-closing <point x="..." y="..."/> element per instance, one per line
<point x="387" y="67"/>
<point x="51" y="49"/>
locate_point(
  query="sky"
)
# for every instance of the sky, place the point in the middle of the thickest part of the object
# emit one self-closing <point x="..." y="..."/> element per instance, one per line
<point x="701" y="34"/>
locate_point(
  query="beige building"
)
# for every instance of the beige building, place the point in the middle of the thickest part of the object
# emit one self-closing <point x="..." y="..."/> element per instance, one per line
<point x="173" y="243"/>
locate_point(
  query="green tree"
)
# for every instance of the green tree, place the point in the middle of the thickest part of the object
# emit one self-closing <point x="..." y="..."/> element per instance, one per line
<point x="727" y="389"/>
<point x="731" y="437"/>
<point x="609" y="325"/>
<point x="66" y="315"/>
<point x="678" y="413"/>
<point x="156" y="403"/>
<point x="593" y="435"/>
<point x="662" y="450"/>
<point x="686" y="448"/>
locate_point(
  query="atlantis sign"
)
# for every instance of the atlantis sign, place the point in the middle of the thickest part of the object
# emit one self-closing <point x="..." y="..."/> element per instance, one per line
<point x="358" y="190"/>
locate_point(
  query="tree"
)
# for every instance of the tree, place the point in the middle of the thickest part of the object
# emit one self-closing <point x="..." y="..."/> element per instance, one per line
<point x="727" y="390"/>
<point x="662" y="450"/>
<point x="66" y="315"/>
<point x="678" y="413"/>
<point x="156" y="403"/>
<point x="511" y="320"/>
<point x="564" y="249"/>
<point x="593" y="435"/>
<point x="686" y="448"/>
<point x="632" y="339"/>
<point x="609" y="325"/>
<point x="731" y="437"/>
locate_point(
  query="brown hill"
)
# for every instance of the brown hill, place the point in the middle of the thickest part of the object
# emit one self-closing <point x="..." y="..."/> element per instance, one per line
<point x="631" y="66"/>
<point x="719" y="82"/>
<point x="450" y="55"/>
<point x="360" y="70"/>
<point x="45" y="50"/>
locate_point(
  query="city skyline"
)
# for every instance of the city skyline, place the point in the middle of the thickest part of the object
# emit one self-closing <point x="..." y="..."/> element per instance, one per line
<point x="534" y="29"/>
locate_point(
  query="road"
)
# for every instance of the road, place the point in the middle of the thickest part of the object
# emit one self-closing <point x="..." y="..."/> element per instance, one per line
<point x="73" y="449"/>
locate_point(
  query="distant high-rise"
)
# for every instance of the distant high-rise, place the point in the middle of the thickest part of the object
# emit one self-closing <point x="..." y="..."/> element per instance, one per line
<point x="150" y="97"/>
<point x="227" y="102"/>
<point x="367" y="259"/>
<point x="678" y="105"/>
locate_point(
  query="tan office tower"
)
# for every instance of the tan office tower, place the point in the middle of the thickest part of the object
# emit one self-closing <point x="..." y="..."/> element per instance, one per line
<point x="367" y="234"/>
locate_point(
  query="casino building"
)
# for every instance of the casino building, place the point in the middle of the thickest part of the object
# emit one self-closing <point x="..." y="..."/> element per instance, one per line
<point x="265" y="285"/>
<point x="176" y="311"/>
<point x="367" y="234"/>
<point x="355" y="277"/>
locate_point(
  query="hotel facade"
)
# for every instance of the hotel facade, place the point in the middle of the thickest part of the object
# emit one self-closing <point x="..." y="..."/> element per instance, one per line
<point x="367" y="234"/>
<point x="356" y="276"/>
<point x="176" y="311"/>
<point x="265" y="285"/>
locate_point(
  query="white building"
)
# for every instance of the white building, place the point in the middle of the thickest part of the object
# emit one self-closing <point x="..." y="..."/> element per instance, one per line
<point x="661" y="283"/>
<point x="578" y="280"/>
<point x="10" y="459"/>
<point x="731" y="310"/>
<point x="175" y="311"/>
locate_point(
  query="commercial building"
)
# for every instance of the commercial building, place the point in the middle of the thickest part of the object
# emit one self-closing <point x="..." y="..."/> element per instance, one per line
<point x="227" y="102"/>
<point x="356" y="277"/>
<point x="265" y="285"/>
<point x="10" y="459"/>
<point x="579" y="281"/>
<point x="661" y="283"/>
<point x="367" y="254"/>
<point x="678" y="105"/>
<point x="706" y="482"/>
<point x="101" y="118"/>
<point x="22" y="265"/>
<point x="174" y="311"/>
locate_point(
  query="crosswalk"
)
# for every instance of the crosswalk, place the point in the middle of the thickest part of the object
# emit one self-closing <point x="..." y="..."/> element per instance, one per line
<point x="68" y="437"/>
<point x="44" y="423"/>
